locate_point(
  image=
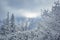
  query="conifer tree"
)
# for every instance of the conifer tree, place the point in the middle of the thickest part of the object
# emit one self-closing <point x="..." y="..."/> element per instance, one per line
<point x="12" y="23"/>
<point x="12" y="20"/>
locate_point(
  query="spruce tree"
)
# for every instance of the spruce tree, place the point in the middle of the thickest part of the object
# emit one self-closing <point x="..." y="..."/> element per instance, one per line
<point x="12" y="20"/>
<point x="5" y="26"/>
<point x="7" y="19"/>
<point x="12" y="23"/>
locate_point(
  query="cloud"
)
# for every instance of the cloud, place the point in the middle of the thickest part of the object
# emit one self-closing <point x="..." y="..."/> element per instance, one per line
<point x="20" y="7"/>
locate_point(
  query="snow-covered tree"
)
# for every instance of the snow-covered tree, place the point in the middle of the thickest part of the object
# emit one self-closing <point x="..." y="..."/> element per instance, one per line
<point x="12" y="28"/>
<point x="48" y="27"/>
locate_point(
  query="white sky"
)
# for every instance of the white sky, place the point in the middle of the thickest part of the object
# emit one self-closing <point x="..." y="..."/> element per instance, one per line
<point x="24" y="7"/>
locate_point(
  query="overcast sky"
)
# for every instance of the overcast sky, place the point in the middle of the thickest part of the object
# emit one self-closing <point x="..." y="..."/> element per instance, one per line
<point x="20" y="7"/>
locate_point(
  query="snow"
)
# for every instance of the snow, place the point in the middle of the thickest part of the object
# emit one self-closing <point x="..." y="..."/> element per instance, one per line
<point x="46" y="28"/>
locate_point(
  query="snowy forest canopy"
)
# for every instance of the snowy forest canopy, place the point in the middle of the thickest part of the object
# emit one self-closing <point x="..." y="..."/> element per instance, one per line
<point x="45" y="28"/>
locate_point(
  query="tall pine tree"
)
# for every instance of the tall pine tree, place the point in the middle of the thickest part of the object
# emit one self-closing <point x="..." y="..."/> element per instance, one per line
<point x="5" y="26"/>
<point x="12" y="23"/>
